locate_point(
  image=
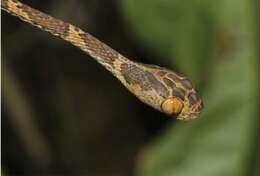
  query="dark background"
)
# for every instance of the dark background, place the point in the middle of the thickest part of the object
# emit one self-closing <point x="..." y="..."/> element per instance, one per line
<point x="63" y="114"/>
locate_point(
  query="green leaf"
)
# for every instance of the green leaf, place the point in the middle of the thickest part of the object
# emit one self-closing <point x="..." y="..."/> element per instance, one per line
<point x="212" y="42"/>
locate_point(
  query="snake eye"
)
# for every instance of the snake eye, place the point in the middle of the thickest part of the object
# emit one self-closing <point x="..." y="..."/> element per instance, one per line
<point x="172" y="106"/>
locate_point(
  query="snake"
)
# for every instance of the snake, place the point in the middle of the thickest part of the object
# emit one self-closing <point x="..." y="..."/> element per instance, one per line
<point x="163" y="89"/>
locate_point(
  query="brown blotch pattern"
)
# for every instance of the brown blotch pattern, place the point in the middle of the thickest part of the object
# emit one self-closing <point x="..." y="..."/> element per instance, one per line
<point x="192" y="98"/>
<point x="53" y="25"/>
<point x="145" y="79"/>
<point x="161" y="73"/>
<point x="169" y="83"/>
<point x="178" y="93"/>
<point x="183" y="81"/>
<point x="99" y="49"/>
<point x="186" y="84"/>
<point x="174" y="77"/>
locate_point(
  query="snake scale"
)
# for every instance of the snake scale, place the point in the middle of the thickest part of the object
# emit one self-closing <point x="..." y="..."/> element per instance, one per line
<point x="158" y="87"/>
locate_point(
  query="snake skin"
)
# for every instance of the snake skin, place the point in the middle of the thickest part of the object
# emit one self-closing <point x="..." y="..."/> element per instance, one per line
<point x="152" y="84"/>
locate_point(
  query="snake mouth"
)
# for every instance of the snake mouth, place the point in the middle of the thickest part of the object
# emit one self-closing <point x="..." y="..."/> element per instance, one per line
<point x="191" y="113"/>
<point x="188" y="117"/>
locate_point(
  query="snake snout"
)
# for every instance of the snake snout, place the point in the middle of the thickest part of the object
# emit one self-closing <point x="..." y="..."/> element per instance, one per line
<point x="198" y="107"/>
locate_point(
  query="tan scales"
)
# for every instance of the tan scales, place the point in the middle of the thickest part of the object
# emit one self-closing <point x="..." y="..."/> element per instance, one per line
<point x="158" y="87"/>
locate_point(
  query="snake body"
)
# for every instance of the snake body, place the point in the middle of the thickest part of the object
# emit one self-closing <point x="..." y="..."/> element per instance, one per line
<point x="158" y="87"/>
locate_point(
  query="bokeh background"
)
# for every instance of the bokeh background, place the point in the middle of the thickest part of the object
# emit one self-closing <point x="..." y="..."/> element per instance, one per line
<point x="63" y="114"/>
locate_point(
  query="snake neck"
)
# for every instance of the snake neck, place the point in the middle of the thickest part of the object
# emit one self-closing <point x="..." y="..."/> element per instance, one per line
<point x="102" y="53"/>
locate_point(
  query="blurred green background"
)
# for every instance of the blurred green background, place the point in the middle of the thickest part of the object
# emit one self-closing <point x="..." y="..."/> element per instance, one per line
<point x="63" y="114"/>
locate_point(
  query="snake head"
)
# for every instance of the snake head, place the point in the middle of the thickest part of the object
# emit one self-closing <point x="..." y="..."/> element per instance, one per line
<point x="162" y="89"/>
<point x="183" y="108"/>
<point x="183" y="102"/>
